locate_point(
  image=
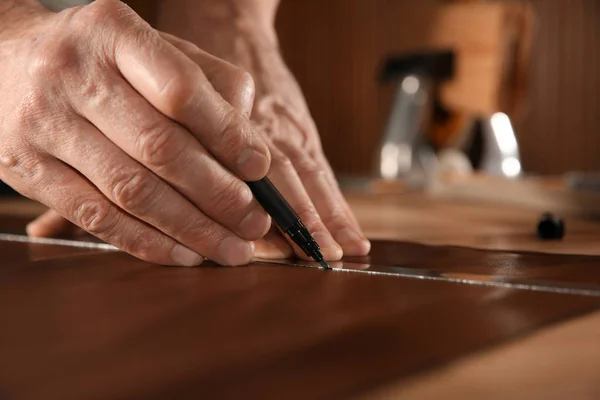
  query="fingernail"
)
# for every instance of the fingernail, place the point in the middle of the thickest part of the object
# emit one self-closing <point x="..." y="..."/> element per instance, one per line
<point x="255" y="224"/>
<point x="31" y="229"/>
<point x="186" y="257"/>
<point x="254" y="164"/>
<point x="235" y="251"/>
<point x="327" y="244"/>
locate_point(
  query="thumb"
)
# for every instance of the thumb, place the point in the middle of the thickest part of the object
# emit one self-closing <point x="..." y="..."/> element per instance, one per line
<point x="50" y="224"/>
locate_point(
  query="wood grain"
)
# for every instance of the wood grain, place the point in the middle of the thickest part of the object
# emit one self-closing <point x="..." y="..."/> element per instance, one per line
<point x="557" y="363"/>
<point x="76" y="322"/>
<point x="430" y="220"/>
<point x="118" y="327"/>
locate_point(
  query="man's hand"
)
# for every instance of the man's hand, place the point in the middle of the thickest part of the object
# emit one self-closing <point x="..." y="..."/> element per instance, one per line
<point x="241" y="31"/>
<point x="108" y="123"/>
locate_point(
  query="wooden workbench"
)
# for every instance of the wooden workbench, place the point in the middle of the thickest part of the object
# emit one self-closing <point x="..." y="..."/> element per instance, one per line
<point x="431" y="320"/>
<point x="558" y="362"/>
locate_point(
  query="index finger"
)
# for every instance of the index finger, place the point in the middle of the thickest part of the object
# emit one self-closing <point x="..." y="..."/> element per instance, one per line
<point x="177" y="87"/>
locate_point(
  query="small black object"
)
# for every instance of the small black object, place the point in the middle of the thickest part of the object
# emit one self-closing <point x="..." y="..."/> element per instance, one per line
<point x="286" y="218"/>
<point x="550" y="227"/>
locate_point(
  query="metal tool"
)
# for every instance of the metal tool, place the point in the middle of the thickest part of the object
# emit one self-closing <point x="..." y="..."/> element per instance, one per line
<point x="404" y="146"/>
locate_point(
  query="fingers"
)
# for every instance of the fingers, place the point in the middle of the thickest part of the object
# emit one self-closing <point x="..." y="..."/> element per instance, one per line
<point x="145" y="196"/>
<point x="234" y="84"/>
<point x="273" y="246"/>
<point x="177" y="87"/>
<point x="49" y="224"/>
<point x="121" y="196"/>
<point x="332" y="210"/>
<point x="285" y="178"/>
<point x="172" y="153"/>
<point x="73" y="197"/>
<point x="320" y="185"/>
<point x="361" y="246"/>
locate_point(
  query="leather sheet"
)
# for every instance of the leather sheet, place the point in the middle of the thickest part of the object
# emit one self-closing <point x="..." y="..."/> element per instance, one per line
<point x="77" y="321"/>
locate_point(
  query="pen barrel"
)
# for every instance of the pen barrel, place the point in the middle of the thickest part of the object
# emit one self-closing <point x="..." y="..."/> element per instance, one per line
<point x="274" y="204"/>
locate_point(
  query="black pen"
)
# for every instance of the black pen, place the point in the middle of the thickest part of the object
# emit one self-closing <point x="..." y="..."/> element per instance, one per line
<point x="286" y="218"/>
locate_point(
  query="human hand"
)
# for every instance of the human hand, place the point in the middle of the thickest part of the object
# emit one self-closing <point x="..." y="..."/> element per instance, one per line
<point x="299" y="169"/>
<point x="272" y="245"/>
<point x="118" y="131"/>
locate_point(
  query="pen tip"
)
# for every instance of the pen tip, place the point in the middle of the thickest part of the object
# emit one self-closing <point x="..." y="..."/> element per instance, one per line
<point x="324" y="264"/>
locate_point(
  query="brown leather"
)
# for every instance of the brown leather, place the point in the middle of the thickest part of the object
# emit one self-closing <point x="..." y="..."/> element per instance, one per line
<point x="110" y="326"/>
<point x="387" y="256"/>
<point x="518" y="265"/>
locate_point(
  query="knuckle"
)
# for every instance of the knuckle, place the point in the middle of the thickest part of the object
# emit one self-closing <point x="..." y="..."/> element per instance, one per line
<point x="235" y="131"/>
<point x="309" y="170"/>
<point x="8" y="161"/>
<point x="144" y="246"/>
<point x="25" y="166"/>
<point x="242" y="78"/>
<point x="157" y="145"/>
<point x="279" y="162"/>
<point x="135" y="192"/>
<point x="52" y="57"/>
<point x="95" y="216"/>
<point x="308" y="214"/>
<point x="243" y="86"/>
<point x="100" y="12"/>
<point x="202" y="232"/>
<point x="176" y="93"/>
<point x="116" y="21"/>
<point x="229" y="198"/>
<point x="29" y="110"/>
<point x="335" y="218"/>
<point x="92" y="91"/>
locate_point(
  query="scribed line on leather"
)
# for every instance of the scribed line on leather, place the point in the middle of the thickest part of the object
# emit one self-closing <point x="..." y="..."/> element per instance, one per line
<point x="8" y="237"/>
<point x="382" y="270"/>
<point x="456" y="277"/>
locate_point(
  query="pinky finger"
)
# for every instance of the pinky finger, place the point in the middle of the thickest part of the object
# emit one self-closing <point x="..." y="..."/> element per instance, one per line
<point x="273" y="246"/>
<point x="77" y="200"/>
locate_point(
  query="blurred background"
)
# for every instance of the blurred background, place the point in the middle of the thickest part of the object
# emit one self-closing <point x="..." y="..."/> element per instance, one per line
<point x="336" y="49"/>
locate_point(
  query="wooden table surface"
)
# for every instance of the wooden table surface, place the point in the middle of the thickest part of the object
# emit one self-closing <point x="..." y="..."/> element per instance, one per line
<point x="79" y="321"/>
<point x="558" y="362"/>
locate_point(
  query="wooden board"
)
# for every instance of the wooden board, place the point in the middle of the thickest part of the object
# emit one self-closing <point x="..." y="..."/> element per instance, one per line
<point x="118" y="327"/>
<point x="79" y="321"/>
